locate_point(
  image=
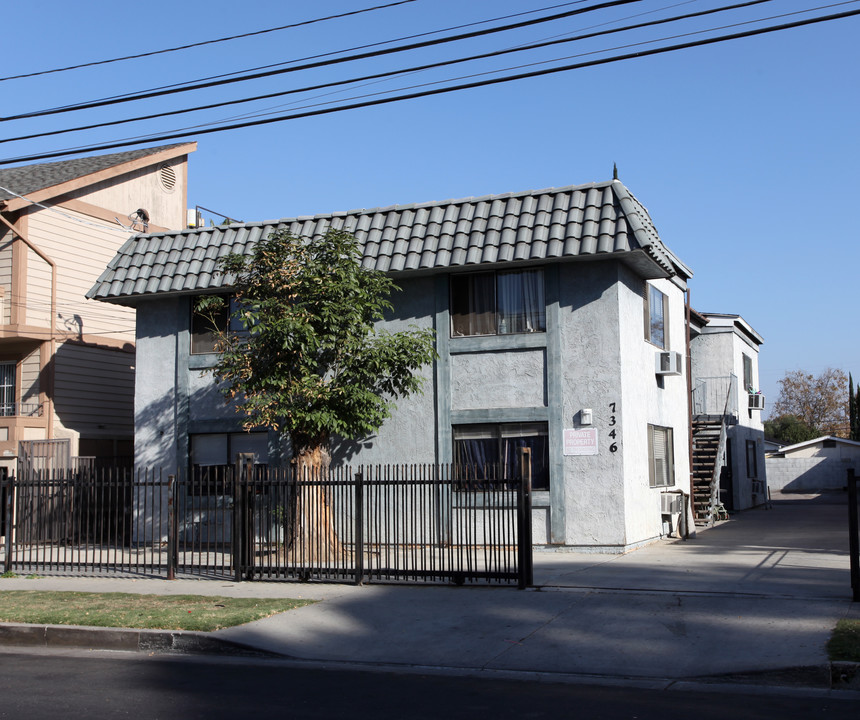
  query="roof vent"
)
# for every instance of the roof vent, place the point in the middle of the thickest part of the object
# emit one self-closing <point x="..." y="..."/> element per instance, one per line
<point x="167" y="175"/>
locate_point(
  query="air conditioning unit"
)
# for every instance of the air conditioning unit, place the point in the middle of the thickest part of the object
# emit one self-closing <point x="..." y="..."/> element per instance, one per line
<point x="756" y="401"/>
<point x="669" y="363"/>
<point x="670" y="503"/>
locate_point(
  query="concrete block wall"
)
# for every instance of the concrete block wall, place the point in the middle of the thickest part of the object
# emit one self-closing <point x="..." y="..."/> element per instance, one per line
<point x="807" y="474"/>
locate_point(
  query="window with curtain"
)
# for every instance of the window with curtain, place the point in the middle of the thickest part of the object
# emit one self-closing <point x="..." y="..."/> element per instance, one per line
<point x="661" y="457"/>
<point x="498" y="303"/>
<point x="7" y="389"/>
<point x="656" y="317"/>
<point x="489" y="455"/>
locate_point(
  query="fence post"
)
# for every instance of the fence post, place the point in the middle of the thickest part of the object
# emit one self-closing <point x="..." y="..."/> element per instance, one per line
<point x="853" y="539"/>
<point x="524" y="521"/>
<point x="171" y="527"/>
<point x="8" y="484"/>
<point x="359" y="527"/>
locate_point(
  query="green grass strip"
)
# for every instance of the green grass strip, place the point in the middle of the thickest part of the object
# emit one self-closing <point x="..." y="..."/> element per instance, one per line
<point x="844" y="643"/>
<point x="129" y="610"/>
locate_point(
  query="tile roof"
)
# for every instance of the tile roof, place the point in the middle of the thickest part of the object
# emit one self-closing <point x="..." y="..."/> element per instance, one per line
<point x="27" y="179"/>
<point x="552" y="224"/>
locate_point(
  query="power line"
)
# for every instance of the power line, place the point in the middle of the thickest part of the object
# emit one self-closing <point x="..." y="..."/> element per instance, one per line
<point x="392" y="73"/>
<point x="204" y="42"/>
<point x="323" y="63"/>
<point x="357" y="47"/>
<point x="441" y="91"/>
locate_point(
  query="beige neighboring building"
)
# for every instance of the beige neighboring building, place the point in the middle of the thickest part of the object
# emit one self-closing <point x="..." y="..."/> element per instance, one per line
<point x="67" y="363"/>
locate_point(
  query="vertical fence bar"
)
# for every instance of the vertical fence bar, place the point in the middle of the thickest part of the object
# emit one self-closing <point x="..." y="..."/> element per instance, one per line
<point x="171" y="527"/>
<point x="9" y="487"/>
<point x="358" y="511"/>
<point x="853" y="539"/>
<point x="524" y="523"/>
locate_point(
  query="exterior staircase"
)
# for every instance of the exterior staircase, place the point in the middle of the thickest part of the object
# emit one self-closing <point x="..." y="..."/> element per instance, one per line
<point x="708" y="457"/>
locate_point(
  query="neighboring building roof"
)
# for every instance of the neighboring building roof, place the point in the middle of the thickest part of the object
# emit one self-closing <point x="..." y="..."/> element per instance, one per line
<point x="816" y="441"/>
<point x="598" y="219"/>
<point x="29" y="179"/>
<point x="724" y="322"/>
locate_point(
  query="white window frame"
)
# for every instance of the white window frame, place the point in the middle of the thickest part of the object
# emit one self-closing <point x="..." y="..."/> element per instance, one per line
<point x="661" y="456"/>
<point x="654" y="299"/>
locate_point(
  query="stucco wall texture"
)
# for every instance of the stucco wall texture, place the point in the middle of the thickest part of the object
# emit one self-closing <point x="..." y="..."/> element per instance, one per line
<point x="593" y="356"/>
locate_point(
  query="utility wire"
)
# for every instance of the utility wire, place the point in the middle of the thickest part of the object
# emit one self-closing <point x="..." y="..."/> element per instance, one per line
<point x="414" y="69"/>
<point x="351" y="49"/>
<point x="205" y="42"/>
<point x="454" y="88"/>
<point x="323" y="63"/>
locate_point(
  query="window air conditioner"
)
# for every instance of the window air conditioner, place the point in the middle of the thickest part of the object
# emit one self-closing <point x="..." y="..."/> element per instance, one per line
<point x="669" y="363"/>
<point x="670" y="503"/>
<point x="756" y="401"/>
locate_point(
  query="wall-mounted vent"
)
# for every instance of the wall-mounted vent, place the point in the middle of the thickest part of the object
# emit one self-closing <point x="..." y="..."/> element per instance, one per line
<point x="756" y="401"/>
<point x="167" y="176"/>
<point x="669" y="363"/>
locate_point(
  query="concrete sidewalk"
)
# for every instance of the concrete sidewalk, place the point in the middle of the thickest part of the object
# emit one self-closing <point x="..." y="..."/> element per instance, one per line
<point x="756" y="596"/>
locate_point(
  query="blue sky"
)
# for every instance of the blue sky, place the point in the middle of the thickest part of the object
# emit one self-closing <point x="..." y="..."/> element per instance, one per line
<point x="744" y="152"/>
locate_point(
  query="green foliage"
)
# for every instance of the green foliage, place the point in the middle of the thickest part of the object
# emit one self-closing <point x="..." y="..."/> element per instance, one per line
<point x="789" y="429"/>
<point x="311" y="362"/>
<point x="844" y="643"/>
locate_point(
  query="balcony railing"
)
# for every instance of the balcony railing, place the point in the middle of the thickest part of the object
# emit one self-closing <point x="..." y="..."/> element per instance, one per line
<point x="20" y="409"/>
<point x="710" y="393"/>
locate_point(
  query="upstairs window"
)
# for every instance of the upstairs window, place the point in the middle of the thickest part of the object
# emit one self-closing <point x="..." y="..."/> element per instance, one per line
<point x="748" y="374"/>
<point x="205" y="329"/>
<point x="498" y="303"/>
<point x="656" y="317"/>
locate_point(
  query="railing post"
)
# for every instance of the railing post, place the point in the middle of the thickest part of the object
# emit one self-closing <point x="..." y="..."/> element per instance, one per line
<point x="853" y="539"/>
<point x="171" y="527"/>
<point x="8" y="485"/>
<point x="359" y="527"/>
<point x="524" y="522"/>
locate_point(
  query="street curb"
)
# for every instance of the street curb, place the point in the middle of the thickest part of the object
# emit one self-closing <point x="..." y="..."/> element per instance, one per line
<point x="826" y="676"/>
<point x="150" y="641"/>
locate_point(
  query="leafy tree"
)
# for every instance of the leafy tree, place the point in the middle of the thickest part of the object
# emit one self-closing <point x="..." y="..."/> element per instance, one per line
<point x="854" y="425"/>
<point x="818" y="401"/>
<point x="311" y="362"/>
<point x="788" y="429"/>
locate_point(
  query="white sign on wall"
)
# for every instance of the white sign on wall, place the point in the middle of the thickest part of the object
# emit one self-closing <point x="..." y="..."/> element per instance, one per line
<point x="580" y="442"/>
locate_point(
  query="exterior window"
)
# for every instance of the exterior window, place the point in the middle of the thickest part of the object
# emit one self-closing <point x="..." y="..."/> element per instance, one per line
<point x="213" y="454"/>
<point x="7" y="389"/>
<point x="661" y="457"/>
<point x="203" y="332"/>
<point x="748" y="374"/>
<point x="492" y="452"/>
<point x="656" y="317"/>
<point x="752" y="459"/>
<point x="498" y="303"/>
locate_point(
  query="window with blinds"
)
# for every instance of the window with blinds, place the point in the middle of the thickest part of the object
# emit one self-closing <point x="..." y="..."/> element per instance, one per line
<point x="661" y="456"/>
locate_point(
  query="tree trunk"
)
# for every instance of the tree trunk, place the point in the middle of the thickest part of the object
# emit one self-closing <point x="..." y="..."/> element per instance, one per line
<point x="314" y="540"/>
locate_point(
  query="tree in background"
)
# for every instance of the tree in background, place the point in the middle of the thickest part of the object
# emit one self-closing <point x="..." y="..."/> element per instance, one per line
<point x="820" y="402"/>
<point x="788" y="429"/>
<point x="854" y="422"/>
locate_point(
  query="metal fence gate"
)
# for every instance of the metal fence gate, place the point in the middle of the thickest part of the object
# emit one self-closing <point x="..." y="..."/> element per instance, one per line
<point x="417" y="523"/>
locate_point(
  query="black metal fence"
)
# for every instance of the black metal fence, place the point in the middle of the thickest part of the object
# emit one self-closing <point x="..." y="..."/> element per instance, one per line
<point x="417" y="523"/>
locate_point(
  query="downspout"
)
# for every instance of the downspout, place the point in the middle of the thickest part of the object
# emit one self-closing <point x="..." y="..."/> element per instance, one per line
<point x="49" y="393"/>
